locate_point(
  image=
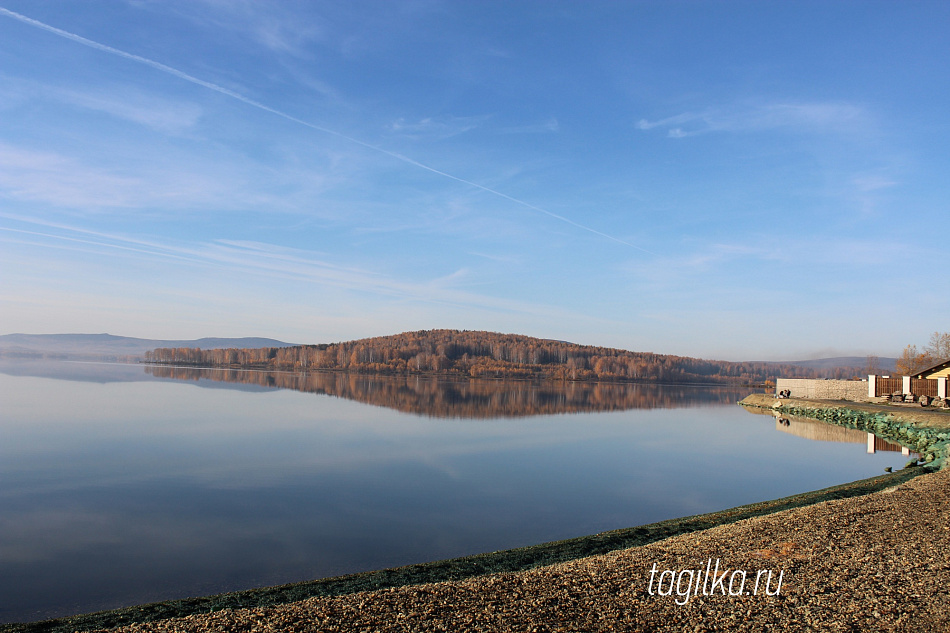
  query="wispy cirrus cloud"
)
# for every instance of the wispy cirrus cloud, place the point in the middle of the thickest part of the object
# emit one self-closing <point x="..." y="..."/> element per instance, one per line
<point x="170" y="183"/>
<point x="313" y="126"/>
<point x="705" y="263"/>
<point x="866" y="191"/>
<point x="500" y="259"/>
<point x="815" y="117"/>
<point x="34" y="175"/>
<point x="151" y="111"/>
<point x="546" y="127"/>
<point x="437" y="128"/>
<point x="873" y="182"/>
<point x="448" y="126"/>
<point x="266" y="260"/>
<point x="274" y="26"/>
<point x="170" y="116"/>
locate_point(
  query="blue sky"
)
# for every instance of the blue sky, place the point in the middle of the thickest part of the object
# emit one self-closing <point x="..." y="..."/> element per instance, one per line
<point x="736" y="180"/>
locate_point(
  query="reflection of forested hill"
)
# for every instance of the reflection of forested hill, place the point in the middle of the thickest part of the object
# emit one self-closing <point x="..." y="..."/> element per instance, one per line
<point x="488" y="355"/>
<point x="469" y="398"/>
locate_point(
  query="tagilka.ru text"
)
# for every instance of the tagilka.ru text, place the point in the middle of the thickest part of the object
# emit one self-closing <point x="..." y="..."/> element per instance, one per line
<point x="688" y="583"/>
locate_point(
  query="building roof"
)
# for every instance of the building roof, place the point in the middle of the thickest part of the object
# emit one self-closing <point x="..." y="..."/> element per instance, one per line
<point x="937" y="367"/>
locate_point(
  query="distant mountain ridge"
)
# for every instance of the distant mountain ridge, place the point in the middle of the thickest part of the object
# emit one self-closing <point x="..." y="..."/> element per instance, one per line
<point x="109" y="346"/>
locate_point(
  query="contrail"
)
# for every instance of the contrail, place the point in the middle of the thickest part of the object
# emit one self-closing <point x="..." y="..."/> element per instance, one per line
<point x="256" y="104"/>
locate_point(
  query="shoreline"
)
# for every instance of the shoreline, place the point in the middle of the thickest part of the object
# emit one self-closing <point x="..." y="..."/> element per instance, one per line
<point x="414" y="580"/>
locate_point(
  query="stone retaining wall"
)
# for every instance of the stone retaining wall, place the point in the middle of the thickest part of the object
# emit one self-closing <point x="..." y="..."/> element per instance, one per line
<point x="855" y="390"/>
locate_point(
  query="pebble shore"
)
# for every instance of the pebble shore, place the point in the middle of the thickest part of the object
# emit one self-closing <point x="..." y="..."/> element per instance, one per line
<point x="879" y="562"/>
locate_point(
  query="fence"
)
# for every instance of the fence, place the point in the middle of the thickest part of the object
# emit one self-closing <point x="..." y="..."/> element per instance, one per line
<point x="858" y="390"/>
<point x="930" y="387"/>
<point x="824" y="389"/>
<point x="923" y="387"/>
<point x="886" y="386"/>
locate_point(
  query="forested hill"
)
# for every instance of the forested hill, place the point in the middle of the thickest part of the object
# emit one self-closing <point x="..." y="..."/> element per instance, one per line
<point x="488" y="354"/>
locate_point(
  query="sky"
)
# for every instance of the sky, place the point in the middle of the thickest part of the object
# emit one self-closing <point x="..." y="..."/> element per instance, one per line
<point x="730" y="180"/>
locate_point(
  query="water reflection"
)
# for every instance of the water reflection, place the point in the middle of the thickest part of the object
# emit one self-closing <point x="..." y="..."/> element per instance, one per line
<point x="121" y="486"/>
<point x="816" y="430"/>
<point x="822" y="432"/>
<point x="444" y="398"/>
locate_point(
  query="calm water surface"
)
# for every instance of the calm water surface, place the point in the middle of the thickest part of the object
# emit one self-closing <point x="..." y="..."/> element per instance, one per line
<point x="124" y="484"/>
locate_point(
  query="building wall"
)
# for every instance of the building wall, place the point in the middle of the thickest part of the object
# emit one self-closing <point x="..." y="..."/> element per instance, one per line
<point x="824" y="389"/>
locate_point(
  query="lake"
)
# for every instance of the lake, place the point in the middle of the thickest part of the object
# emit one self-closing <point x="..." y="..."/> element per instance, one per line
<point x="126" y="484"/>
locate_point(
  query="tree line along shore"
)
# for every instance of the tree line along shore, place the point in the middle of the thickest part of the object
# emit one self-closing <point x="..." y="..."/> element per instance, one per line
<point x="490" y="355"/>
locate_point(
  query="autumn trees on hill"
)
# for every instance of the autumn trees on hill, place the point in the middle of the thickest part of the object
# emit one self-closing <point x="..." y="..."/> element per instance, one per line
<point x="481" y="354"/>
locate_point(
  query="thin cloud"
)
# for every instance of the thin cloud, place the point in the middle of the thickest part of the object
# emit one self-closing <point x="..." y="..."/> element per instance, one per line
<point x="797" y="117"/>
<point x="268" y="24"/>
<point x="167" y="182"/>
<point x="47" y="177"/>
<point x="256" y="104"/>
<point x="160" y="114"/>
<point x="708" y="263"/>
<point x="867" y="191"/>
<point x="276" y="262"/>
<point x="89" y="242"/>
<point x="148" y="109"/>
<point x="501" y="259"/>
<point x="686" y="117"/>
<point x="547" y="127"/>
<point x="437" y="128"/>
<point x="870" y="183"/>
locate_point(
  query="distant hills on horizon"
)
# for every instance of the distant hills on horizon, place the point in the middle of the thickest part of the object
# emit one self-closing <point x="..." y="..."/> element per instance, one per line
<point x="111" y="347"/>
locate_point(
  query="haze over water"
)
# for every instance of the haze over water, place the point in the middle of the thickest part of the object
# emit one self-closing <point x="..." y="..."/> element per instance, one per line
<point x="123" y="484"/>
